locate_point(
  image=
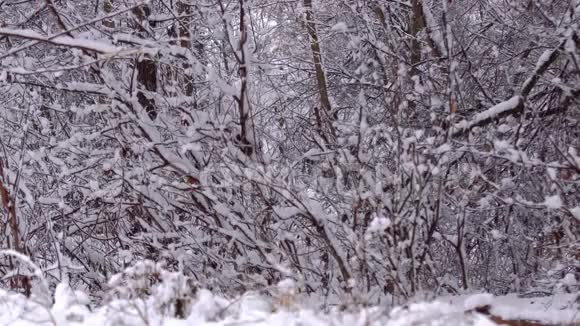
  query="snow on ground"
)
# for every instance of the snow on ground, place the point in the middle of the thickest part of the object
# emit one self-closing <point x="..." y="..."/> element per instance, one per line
<point x="70" y="309"/>
<point x="208" y="309"/>
<point x="557" y="309"/>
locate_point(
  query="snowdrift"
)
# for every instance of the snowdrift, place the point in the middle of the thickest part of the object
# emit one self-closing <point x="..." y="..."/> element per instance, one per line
<point x="71" y="308"/>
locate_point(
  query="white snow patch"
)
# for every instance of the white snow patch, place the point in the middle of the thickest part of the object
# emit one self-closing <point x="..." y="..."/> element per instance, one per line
<point x="478" y="300"/>
<point x="286" y="212"/>
<point x="496" y="234"/>
<point x="340" y="27"/>
<point x="556" y="309"/>
<point x="575" y="212"/>
<point x="379" y="224"/>
<point x="553" y="202"/>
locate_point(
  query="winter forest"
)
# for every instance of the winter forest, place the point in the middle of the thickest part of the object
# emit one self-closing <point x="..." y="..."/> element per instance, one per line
<point x="360" y="152"/>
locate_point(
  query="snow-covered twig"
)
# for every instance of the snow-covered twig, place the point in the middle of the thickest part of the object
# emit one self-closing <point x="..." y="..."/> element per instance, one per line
<point x="84" y="44"/>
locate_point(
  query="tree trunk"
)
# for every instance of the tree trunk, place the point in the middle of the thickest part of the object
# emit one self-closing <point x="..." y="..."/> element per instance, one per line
<point x="322" y="114"/>
<point x="108" y="8"/>
<point x="417" y="24"/>
<point x="183" y="9"/>
<point x="246" y="123"/>
<point x="146" y="71"/>
<point x="9" y="204"/>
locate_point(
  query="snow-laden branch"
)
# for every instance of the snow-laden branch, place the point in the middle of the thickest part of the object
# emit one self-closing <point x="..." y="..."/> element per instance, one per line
<point x="84" y="44"/>
<point x="514" y="105"/>
<point x="70" y="30"/>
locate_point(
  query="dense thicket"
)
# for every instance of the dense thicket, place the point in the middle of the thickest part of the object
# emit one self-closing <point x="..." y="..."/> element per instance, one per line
<point x="370" y="149"/>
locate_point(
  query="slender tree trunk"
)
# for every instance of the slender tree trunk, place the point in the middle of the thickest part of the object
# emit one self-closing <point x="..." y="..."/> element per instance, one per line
<point x="246" y="140"/>
<point x="9" y="205"/>
<point x="323" y="113"/>
<point x="146" y="71"/>
<point x="417" y="24"/>
<point x="108" y="8"/>
<point x="184" y="9"/>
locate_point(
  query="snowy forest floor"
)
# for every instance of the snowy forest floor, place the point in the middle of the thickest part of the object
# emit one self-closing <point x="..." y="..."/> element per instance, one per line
<point x="70" y="308"/>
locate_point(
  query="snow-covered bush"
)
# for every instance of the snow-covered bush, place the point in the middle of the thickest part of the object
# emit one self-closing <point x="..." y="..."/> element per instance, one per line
<point x="169" y="293"/>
